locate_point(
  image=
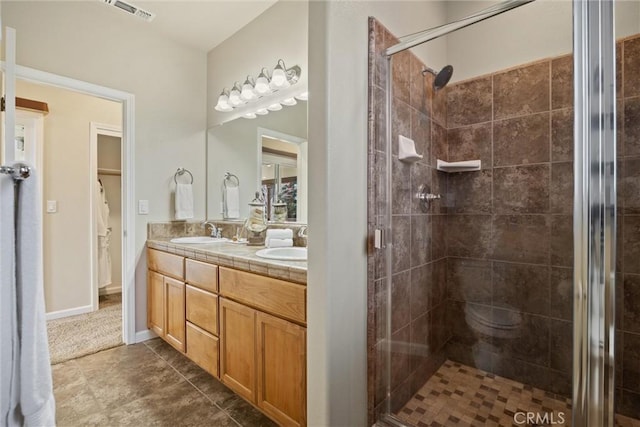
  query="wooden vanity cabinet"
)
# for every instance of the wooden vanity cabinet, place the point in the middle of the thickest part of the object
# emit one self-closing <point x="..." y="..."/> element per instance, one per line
<point x="263" y="355"/>
<point x="165" y="297"/>
<point x="246" y="329"/>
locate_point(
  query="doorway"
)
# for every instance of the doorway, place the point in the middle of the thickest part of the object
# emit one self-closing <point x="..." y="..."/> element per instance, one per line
<point x="124" y="120"/>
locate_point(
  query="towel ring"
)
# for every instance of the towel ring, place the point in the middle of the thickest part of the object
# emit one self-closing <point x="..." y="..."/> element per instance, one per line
<point x="180" y="172"/>
<point x="228" y="176"/>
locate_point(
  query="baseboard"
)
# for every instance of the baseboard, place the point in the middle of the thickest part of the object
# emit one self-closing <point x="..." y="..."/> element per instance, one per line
<point x="69" y="312"/>
<point x="110" y="289"/>
<point x="145" y="335"/>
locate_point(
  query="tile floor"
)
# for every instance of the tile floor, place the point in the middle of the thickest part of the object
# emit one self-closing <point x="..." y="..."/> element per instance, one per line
<point x="459" y="395"/>
<point x="147" y="384"/>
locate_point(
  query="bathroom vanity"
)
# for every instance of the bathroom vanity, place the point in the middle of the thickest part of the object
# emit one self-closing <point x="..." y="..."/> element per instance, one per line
<point x="239" y="317"/>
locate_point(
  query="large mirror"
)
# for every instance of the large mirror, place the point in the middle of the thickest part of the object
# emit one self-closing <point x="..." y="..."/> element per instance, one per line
<point x="268" y="155"/>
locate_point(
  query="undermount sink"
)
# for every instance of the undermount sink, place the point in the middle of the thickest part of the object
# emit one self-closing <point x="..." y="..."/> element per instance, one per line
<point x="199" y="239"/>
<point x="284" y="254"/>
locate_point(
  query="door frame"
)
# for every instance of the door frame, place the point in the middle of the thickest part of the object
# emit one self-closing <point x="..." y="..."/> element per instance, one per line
<point x="97" y="129"/>
<point x="128" y="178"/>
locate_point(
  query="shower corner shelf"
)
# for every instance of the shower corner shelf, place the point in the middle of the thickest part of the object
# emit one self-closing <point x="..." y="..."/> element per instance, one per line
<point x="465" y="166"/>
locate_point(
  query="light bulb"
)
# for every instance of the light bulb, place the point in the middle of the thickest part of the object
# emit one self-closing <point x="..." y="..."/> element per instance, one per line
<point x="223" y="102"/>
<point x="289" y="102"/>
<point x="279" y="76"/>
<point x="262" y="112"/>
<point x="274" y="107"/>
<point x="234" y="96"/>
<point x="248" y="93"/>
<point x="304" y="96"/>
<point x="262" y="83"/>
<point x="249" y="116"/>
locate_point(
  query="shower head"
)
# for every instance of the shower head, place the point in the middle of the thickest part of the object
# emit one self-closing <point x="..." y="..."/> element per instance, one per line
<point x="441" y="78"/>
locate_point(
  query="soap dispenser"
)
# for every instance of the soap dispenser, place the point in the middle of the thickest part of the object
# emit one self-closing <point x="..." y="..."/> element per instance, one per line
<point x="256" y="222"/>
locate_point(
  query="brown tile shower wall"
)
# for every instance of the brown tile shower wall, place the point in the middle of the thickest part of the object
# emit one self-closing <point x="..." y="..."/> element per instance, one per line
<point x="509" y="226"/>
<point x="419" y="297"/>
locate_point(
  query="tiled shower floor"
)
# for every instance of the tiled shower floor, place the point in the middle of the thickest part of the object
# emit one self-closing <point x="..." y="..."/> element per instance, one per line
<point x="459" y="395"/>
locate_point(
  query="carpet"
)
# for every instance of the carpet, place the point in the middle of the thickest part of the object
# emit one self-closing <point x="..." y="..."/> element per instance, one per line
<point x="76" y="336"/>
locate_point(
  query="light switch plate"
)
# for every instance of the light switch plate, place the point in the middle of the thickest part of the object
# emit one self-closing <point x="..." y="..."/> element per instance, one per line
<point x="143" y="207"/>
<point x="52" y="206"/>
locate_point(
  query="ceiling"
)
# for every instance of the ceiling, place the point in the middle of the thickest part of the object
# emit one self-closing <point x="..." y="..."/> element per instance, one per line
<point x="201" y="24"/>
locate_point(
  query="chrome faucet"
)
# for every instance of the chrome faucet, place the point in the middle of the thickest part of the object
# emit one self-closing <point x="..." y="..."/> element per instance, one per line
<point x="214" y="230"/>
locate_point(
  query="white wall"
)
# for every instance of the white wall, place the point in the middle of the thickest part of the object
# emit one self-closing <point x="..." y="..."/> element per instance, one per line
<point x="337" y="277"/>
<point x="279" y="33"/>
<point x="67" y="179"/>
<point x="109" y="155"/>
<point x="538" y="30"/>
<point x="101" y="45"/>
<point x="233" y="147"/>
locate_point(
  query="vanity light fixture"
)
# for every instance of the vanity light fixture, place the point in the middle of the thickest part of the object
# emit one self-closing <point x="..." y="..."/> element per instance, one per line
<point x="289" y="102"/>
<point x="223" y="102"/>
<point x="262" y="112"/>
<point x="265" y="85"/>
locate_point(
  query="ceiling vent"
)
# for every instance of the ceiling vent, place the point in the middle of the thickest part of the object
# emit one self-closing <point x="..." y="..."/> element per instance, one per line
<point x="133" y="10"/>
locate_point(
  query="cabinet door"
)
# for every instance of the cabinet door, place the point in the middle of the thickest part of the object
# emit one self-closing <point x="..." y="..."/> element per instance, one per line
<point x="202" y="348"/>
<point x="155" y="302"/>
<point x="174" y="313"/>
<point x="238" y="348"/>
<point x="281" y="385"/>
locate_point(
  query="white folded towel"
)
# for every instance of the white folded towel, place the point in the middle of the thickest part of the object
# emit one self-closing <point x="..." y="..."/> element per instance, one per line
<point x="285" y="233"/>
<point x="272" y="242"/>
<point x="233" y="202"/>
<point x="184" y="201"/>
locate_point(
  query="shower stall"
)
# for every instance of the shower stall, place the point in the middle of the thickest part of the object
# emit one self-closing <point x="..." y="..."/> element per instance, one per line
<point x="504" y="283"/>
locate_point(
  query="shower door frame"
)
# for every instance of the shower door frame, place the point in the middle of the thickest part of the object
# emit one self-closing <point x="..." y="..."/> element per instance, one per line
<point x="594" y="204"/>
<point x="594" y="217"/>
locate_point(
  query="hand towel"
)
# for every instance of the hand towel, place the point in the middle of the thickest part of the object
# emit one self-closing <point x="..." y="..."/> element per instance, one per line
<point x="272" y="242"/>
<point x="233" y="202"/>
<point x="184" y="201"/>
<point x="285" y="233"/>
<point x="8" y="313"/>
<point x="31" y="402"/>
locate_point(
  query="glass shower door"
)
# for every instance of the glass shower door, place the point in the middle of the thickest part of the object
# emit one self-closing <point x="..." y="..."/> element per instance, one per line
<point x="475" y="304"/>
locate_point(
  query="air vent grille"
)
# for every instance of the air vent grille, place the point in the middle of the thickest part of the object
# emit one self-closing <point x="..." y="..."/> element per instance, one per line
<point x="131" y="9"/>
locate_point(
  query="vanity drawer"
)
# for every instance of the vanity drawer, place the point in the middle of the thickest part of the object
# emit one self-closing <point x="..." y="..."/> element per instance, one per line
<point x="202" y="348"/>
<point x="273" y="296"/>
<point x="165" y="263"/>
<point x="202" y="309"/>
<point x="202" y="275"/>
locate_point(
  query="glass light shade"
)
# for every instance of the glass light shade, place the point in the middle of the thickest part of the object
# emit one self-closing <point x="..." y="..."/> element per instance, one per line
<point x="304" y="96"/>
<point x="274" y="107"/>
<point x="248" y="94"/>
<point x="262" y="112"/>
<point x="234" y="96"/>
<point x="249" y="116"/>
<point x="279" y="77"/>
<point x="289" y="102"/>
<point x="223" y="103"/>
<point x="262" y="83"/>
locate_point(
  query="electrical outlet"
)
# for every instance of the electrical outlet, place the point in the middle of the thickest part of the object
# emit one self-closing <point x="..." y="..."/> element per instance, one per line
<point x="143" y="207"/>
<point x="52" y="206"/>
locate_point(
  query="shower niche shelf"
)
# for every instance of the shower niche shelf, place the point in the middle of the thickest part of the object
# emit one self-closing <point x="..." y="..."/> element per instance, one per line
<point x="464" y="166"/>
